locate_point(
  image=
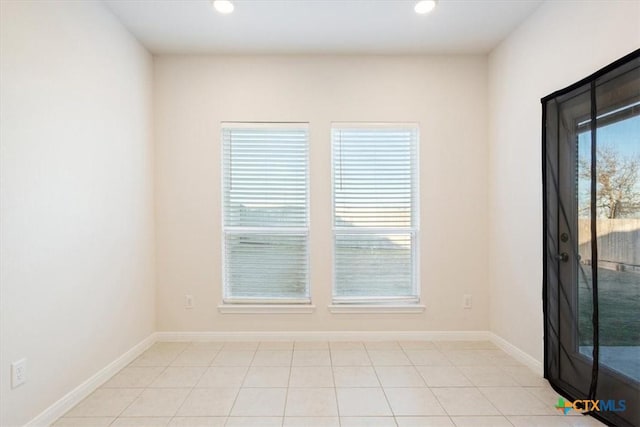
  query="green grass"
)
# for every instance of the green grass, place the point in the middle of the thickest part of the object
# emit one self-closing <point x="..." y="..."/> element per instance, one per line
<point x="619" y="308"/>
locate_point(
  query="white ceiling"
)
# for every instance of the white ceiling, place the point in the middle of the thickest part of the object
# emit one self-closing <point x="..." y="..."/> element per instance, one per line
<point x="321" y="26"/>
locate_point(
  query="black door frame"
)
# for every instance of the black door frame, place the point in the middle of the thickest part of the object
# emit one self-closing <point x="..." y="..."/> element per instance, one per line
<point x="558" y="273"/>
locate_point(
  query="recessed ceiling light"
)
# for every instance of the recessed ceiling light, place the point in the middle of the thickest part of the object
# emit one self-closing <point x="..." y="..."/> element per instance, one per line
<point x="425" y="6"/>
<point x="223" y="6"/>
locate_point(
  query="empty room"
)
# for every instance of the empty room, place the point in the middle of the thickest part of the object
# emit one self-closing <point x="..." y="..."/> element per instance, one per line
<point x="320" y="213"/>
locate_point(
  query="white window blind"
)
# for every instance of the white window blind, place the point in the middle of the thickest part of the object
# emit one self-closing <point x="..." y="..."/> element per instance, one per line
<point x="375" y="208"/>
<point x="265" y="186"/>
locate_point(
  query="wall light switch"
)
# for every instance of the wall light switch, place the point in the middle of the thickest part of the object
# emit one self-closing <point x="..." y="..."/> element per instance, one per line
<point x="466" y="302"/>
<point x="188" y="301"/>
<point x="18" y="373"/>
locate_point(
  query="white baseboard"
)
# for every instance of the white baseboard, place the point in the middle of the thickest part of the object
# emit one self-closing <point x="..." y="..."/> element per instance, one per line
<point x="324" y="336"/>
<point x="533" y="364"/>
<point x="75" y="396"/>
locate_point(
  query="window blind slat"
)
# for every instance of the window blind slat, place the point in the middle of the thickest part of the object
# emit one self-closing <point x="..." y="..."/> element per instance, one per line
<point x="265" y="187"/>
<point x="375" y="190"/>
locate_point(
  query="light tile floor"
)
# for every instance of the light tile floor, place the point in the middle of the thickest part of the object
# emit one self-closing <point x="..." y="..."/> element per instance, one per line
<point x="323" y="384"/>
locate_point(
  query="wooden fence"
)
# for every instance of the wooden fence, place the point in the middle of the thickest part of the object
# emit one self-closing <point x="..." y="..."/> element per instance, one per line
<point x="618" y="243"/>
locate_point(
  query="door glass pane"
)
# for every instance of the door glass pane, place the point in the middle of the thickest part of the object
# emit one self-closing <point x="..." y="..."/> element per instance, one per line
<point x="618" y="232"/>
<point x="585" y="295"/>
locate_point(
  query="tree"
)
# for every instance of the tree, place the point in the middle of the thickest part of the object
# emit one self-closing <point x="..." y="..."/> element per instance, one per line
<point x="618" y="189"/>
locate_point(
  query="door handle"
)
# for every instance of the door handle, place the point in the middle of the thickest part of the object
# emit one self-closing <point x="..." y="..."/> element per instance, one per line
<point x="564" y="257"/>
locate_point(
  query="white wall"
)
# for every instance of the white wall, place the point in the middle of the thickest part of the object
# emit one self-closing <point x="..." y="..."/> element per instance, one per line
<point x="77" y="260"/>
<point x="77" y="247"/>
<point x="562" y="42"/>
<point x="446" y="95"/>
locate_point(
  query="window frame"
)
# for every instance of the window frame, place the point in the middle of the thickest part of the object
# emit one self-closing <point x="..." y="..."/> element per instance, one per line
<point x="391" y="304"/>
<point x="261" y="305"/>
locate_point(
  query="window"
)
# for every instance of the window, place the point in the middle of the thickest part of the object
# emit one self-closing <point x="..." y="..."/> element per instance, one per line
<point x="265" y="213"/>
<point x="375" y="213"/>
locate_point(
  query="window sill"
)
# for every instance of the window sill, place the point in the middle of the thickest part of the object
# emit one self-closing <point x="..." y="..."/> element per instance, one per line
<point x="376" y="308"/>
<point x="266" y="308"/>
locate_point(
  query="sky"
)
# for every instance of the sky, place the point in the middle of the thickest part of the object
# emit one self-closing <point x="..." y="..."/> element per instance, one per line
<point x="622" y="136"/>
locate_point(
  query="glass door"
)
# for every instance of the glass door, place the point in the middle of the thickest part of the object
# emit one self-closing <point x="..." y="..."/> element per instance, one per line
<point x="592" y="242"/>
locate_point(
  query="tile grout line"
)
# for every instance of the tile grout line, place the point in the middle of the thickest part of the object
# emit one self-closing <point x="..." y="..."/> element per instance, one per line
<point x="384" y="393"/>
<point x="490" y="402"/>
<point x="335" y="388"/>
<point x="241" y="383"/>
<point x="393" y="415"/>
<point x="147" y="386"/>
<point x="194" y="385"/>
<point x="286" y="394"/>
<point x="166" y="369"/>
<point x="422" y="377"/>
<point x="197" y="382"/>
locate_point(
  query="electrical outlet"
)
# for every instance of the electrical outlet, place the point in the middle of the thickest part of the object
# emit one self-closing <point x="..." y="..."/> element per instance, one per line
<point x="466" y="301"/>
<point x="188" y="301"/>
<point x="18" y="373"/>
